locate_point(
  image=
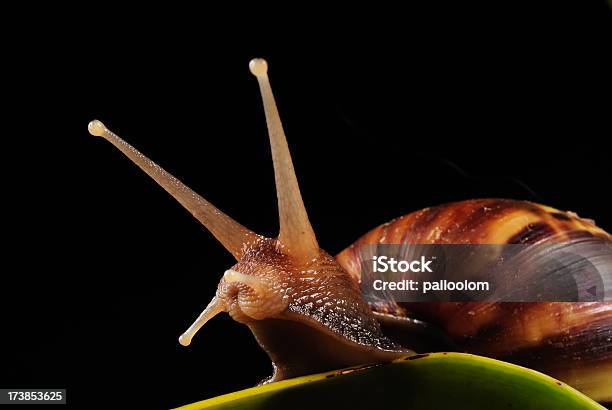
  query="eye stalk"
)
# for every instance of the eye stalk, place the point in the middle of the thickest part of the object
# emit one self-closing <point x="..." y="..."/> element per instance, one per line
<point x="230" y="233"/>
<point x="296" y="235"/>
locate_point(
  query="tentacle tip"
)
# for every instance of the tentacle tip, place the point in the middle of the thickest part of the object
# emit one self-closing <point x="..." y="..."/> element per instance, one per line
<point x="258" y="67"/>
<point x="184" y="340"/>
<point x="96" y="128"/>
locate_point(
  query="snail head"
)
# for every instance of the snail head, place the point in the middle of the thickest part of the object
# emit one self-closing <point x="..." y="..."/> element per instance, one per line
<point x="283" y="288"/>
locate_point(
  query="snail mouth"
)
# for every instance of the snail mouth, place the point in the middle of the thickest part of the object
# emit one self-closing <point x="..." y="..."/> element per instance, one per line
<point x="253" y="298"/>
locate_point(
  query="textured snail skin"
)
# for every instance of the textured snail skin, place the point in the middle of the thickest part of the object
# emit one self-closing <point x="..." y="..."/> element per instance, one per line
<point x="570" y="341"/>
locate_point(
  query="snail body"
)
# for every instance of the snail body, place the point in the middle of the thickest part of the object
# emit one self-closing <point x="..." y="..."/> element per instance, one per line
<point x="287" y="288"/>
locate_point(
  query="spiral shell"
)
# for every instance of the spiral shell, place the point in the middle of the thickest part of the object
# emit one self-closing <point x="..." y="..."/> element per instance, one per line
<point x="568" y="340"/>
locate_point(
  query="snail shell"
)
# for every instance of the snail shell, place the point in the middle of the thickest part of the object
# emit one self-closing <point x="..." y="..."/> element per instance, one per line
<point x="571" y="341"/>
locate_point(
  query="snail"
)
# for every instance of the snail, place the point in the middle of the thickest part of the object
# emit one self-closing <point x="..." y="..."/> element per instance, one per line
<point x="287" y="288"/>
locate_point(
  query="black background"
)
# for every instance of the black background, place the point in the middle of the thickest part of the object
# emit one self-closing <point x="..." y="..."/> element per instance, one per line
<point x="386" y="112"/>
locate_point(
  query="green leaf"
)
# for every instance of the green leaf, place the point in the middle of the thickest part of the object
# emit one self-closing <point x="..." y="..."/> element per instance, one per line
<point x="429" y="381"/>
